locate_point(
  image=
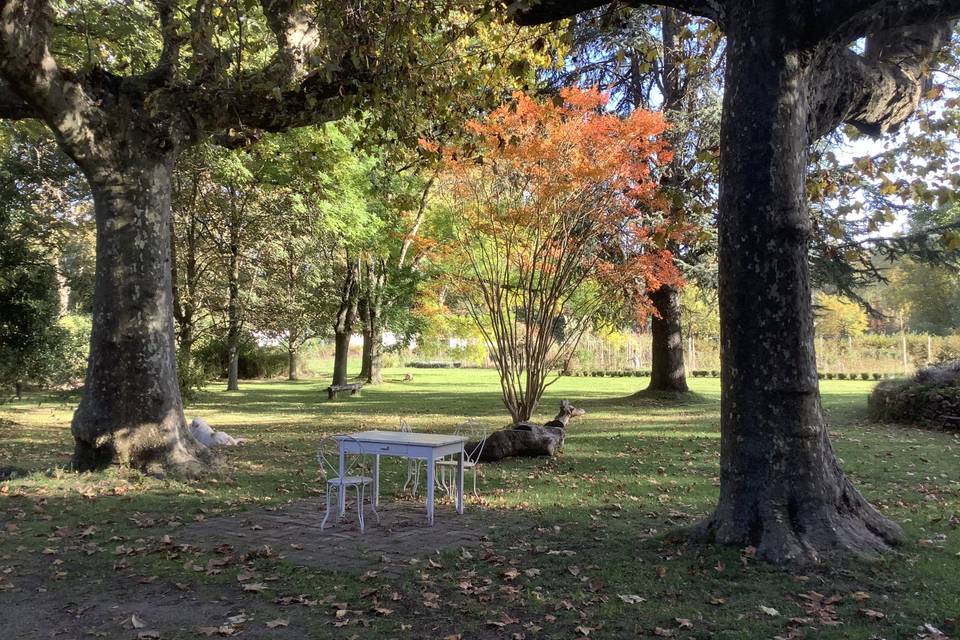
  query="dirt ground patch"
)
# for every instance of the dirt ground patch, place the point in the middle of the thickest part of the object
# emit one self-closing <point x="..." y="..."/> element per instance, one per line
<point x="80" y="596"/>
<point x="293" y="531"/>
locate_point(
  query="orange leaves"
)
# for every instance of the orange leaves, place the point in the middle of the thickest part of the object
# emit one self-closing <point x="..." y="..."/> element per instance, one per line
<point x="564" y="177"/>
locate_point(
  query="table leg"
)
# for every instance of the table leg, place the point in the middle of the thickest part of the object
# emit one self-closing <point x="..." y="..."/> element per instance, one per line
<point x="375" y="499"/>
<point x="431" y="470"/>
<point x="460" y="482"/>
<point x="341" y="493"/>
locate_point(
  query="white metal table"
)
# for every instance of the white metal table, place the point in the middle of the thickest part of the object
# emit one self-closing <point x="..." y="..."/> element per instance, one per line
<point x="429" y="447"/>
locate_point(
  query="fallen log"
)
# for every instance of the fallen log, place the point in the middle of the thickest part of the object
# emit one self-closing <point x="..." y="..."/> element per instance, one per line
<point x="527" y="439"/>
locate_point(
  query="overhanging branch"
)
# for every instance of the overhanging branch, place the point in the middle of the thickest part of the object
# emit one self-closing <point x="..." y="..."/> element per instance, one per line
<point x="542" y="11"/>
<point x="879" y="90"/>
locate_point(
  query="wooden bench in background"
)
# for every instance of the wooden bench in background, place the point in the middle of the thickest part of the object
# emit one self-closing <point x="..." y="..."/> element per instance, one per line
<point x="353" y="388"/>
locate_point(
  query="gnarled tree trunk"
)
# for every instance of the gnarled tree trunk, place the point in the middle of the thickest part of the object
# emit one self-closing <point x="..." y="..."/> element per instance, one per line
<point x="131" y="412"/>
<point x="781" y="487"/>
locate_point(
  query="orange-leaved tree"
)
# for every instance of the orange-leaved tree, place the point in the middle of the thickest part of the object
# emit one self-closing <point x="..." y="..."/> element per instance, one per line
<point x="557" y="220"/>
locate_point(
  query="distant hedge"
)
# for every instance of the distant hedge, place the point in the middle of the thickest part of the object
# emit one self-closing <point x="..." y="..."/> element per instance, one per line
<point x="713" y="373"/>
<point x="434" y="364"/>
<point x="931" y="396"/>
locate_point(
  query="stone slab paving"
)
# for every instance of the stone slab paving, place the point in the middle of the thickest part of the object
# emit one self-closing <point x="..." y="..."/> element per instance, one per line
<point x="293" y="531"/>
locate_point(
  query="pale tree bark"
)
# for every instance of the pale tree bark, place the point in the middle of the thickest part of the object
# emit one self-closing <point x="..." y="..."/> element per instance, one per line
<point x="131" y="411"/>
<point x="790" y="78"/>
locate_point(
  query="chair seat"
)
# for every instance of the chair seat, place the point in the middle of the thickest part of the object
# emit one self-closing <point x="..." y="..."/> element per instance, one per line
<point x="467" y="464"/>
<point x="350" y="480"/>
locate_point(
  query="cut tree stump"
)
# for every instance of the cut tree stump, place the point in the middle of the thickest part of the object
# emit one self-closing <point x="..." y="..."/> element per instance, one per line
<point x="529" y="440"/>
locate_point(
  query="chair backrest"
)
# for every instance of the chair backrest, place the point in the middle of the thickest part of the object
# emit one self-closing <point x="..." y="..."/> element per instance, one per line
<point x="328" y="457"/>
<point x="476" y="435"/>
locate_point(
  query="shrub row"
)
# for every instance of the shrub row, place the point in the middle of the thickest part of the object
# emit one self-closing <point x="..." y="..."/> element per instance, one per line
<point x="703" y="373"/>
<point x="434" y="364"/>
<point x="932" y="396"/>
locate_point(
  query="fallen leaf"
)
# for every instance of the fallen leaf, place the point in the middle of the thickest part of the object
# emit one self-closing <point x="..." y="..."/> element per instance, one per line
<point x="632" y="599"/>
<point x="872" y="614"/>
<point x="256" y="587"/>
<point x="770" y="611"/>
<point x="279" y="622"/>
<point x="137" y="622"/>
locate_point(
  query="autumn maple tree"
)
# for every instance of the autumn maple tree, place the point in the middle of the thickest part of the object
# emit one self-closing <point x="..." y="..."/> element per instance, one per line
<point x="557" y="219"/>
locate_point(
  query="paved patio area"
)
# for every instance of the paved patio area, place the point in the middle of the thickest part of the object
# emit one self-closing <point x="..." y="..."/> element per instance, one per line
<point x="402" y="534"/>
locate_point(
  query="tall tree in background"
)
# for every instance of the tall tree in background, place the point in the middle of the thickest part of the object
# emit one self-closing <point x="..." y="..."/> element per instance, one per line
<point x="663" y="59"/>
<point x="554" y="185"/>
<point x="791" y="77"/>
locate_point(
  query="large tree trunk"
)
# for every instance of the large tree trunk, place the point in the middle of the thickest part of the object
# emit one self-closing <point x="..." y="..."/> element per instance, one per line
<point x="131" y="411"/>
<point x="781" y="487"/>
<point x="666" y="368"/>
<point x="343" y="325"/>
<point x="233" y="310"/>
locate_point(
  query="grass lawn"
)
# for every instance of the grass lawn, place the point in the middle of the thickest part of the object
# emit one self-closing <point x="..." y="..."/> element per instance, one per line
<point x="598" y="559"/>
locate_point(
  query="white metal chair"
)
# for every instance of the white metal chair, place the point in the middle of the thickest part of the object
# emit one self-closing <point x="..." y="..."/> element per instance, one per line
<point x="413" y="465"/>
<point x="476" y="435"/>
<point x="354" y="475"/>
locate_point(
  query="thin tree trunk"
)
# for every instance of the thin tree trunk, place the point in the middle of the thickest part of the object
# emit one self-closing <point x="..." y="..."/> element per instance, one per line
<point x="373" y="336"/>
<point x="292" y="364"/>
<point x="364" y="310"/>
<point x="666" y="367"/>
<point x="131" y="412"/>
<point x="233" y="311"/>
<point x="343" y="326"/>
<point x="781" y="486"/>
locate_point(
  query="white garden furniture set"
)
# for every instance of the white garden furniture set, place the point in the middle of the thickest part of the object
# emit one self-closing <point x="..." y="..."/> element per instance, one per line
<point x="352" y="461"/>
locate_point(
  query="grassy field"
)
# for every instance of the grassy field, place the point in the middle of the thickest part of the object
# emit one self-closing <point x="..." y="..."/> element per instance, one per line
<point x="599" y="560"/>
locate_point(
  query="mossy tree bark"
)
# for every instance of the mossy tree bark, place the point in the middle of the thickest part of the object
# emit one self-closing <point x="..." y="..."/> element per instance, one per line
<point x="130" y="411"/>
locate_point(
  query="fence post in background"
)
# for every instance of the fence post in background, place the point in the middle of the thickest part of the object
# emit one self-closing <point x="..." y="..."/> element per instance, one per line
<point x="929" y="349"/>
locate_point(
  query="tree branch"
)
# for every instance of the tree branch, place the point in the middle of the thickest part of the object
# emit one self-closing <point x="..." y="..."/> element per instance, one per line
<point x="843" y="21"/>
<point x="541" y="11"/>
<point x="296" y="33"/>
<point x="878" y="91"/>
<point x="29" y="68"/>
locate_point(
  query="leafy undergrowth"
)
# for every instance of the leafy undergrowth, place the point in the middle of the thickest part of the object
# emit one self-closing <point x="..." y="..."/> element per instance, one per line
<point x="599" y="559"/>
